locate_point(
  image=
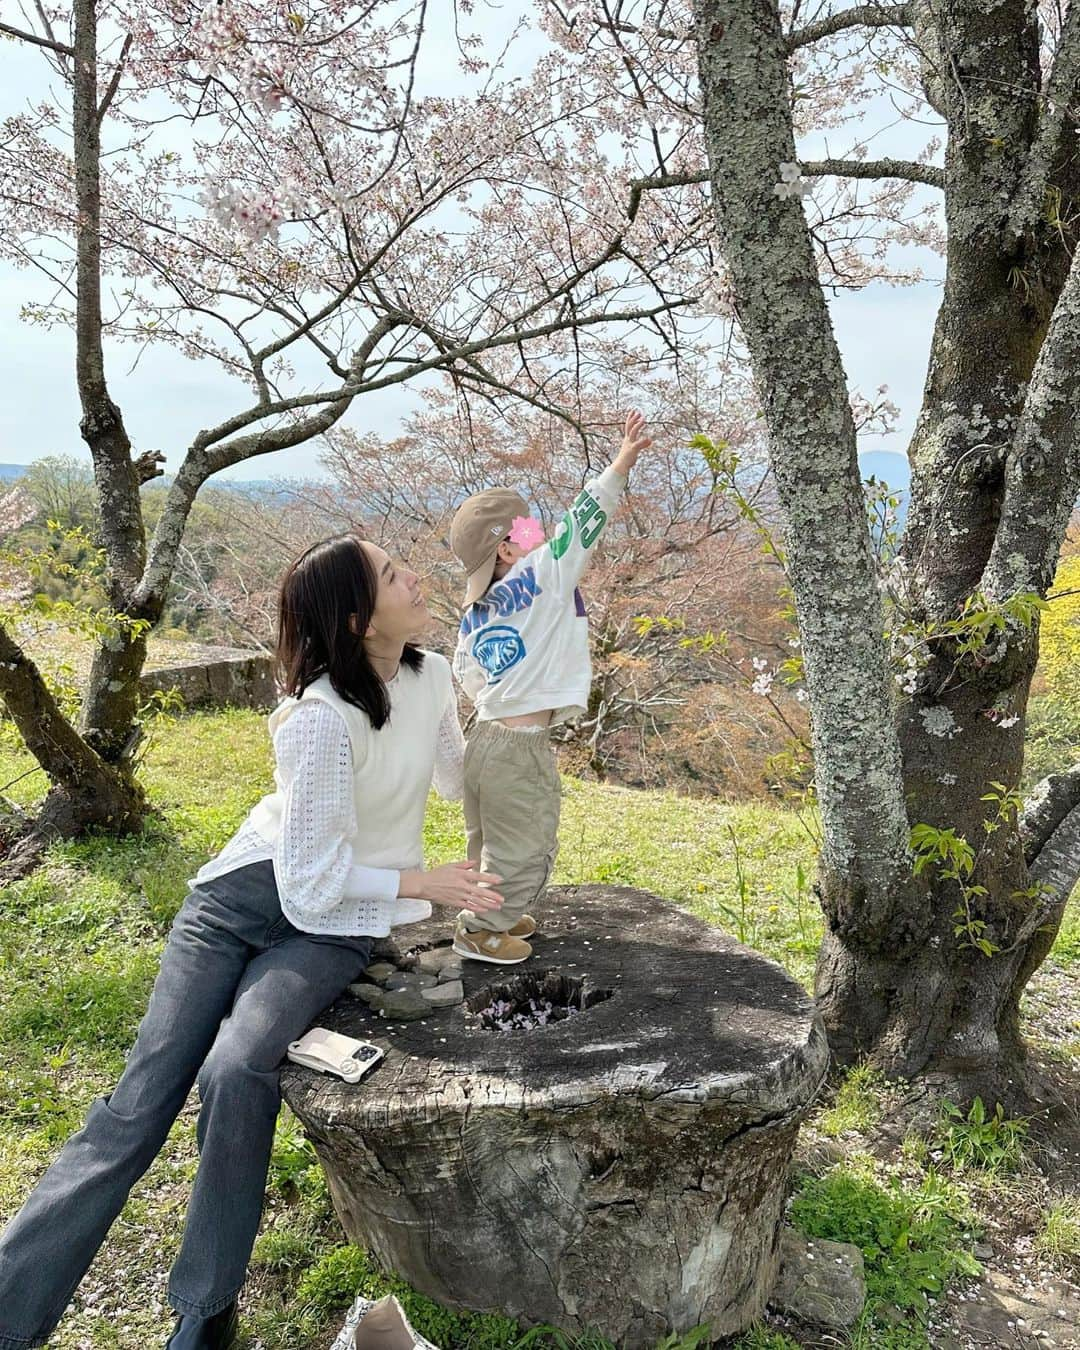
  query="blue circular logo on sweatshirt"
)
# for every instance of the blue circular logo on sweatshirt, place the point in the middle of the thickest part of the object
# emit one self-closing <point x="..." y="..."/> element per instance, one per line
<point x="498" y="649"/>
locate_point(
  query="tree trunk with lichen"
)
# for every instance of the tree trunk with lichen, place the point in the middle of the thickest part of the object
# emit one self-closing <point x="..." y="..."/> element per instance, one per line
<point x="356" y="321"/>
<point x="85" y="790"/>
<point x="919" y="970"/>
<point x="90" y="770"/>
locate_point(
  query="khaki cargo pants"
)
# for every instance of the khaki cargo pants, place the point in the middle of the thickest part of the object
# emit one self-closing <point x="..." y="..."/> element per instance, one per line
<point x="511" y="816"/>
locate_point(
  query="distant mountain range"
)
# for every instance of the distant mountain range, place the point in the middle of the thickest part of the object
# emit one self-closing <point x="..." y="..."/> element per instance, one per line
<point x="886" y="465"/>
<point x="10" y="472"/>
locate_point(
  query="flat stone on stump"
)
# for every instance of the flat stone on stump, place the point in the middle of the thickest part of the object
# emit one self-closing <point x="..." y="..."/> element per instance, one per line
<point x="445" y="995"/>
<point x="443" y="962"/>
<point x="616" y="1160"/>
<point x="403" y="1005"/>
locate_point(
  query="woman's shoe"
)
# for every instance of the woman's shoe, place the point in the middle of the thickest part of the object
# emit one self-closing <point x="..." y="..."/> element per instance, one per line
<point x="218" y="1332"/>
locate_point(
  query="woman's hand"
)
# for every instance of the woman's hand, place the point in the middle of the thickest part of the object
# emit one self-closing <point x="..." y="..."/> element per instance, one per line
<point x="460" y="885"/>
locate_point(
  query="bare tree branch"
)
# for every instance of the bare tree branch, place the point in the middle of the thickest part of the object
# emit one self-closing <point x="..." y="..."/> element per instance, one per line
<point x="660" y="181"/>
<point x="149" y="465"/>
<point x="1050" y="802"/>
<point x="460" y="351"/>
<point x="616" y="25"/>
<point x="860" y="16"/>
<point x="199" y="463"/>
<point x="875" y="168"/>
<point x="906" y="169"/>
<point x="49" y="44"/>
<point x="114" y="83"/>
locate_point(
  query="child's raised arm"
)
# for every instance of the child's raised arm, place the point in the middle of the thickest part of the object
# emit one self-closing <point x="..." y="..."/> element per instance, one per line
<point x="566" y="555"/>
<point x="635" y="439"/>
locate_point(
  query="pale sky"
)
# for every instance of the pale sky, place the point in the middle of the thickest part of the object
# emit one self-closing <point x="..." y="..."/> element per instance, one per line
<point x="883" y="332"/>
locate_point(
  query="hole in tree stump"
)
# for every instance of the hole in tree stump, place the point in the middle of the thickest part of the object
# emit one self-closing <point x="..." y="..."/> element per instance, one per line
<point x="533" y="999"/>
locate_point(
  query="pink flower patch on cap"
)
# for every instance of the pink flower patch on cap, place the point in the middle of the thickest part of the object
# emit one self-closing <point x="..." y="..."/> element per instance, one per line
<point x="526" y="532"/>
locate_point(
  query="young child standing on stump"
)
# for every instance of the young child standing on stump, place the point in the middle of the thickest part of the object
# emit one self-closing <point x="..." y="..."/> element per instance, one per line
<point x="523" y="658"/>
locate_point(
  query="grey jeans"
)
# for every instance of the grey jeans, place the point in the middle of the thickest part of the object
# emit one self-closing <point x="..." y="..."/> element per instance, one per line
<point x="237" y="983"/>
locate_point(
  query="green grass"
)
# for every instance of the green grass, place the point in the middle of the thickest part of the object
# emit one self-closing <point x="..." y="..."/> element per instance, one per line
<point x="346" y="1271"/>
<point x="858" y="1105"/>
<point x="1066" y="948"/>
<point x="1059" y="1236"/>
<point x="1052" y="738"/>
<point x="915" y="1240"/>
<point x="761" y="1338"/>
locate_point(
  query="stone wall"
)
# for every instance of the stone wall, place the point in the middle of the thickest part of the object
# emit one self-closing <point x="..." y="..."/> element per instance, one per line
<point x="226" y="677"/>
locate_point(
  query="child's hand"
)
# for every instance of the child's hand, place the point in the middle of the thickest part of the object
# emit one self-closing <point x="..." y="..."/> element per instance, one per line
<point x="635" y="439"/>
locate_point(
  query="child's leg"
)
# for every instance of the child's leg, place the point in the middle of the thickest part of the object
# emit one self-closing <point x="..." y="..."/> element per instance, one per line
<point x="517" y="790"/>
<point x="474" y="832"/>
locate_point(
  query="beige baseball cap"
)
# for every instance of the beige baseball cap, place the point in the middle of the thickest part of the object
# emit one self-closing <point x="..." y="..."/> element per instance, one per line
<point x="479" y="526"/>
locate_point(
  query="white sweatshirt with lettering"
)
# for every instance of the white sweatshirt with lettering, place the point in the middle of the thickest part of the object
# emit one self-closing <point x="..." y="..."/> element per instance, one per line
<point x="524" y="647"/>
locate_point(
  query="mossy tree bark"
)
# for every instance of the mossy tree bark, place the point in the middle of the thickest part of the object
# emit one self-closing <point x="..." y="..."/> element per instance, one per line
<point x="995" y="475"/>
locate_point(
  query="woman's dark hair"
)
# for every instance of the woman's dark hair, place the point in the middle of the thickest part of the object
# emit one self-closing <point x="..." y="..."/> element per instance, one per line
<point x="329" y="582"/>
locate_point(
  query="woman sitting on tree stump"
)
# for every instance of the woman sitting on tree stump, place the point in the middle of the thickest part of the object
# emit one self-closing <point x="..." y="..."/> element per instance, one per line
<point x="273" y="930"/>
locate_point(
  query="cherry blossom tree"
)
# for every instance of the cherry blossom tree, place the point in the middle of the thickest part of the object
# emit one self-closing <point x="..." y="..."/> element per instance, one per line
<point x="942" y="889"/>
<point x="278" y="193"/>
<point x="679" y="594"/>
<point x="283" y="194"/>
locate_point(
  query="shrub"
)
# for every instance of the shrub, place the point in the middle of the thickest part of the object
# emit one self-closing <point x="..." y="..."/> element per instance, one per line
<point x="988" y="1141"/>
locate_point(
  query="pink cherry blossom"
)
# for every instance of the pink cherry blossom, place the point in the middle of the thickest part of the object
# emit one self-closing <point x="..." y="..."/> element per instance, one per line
<point x="17" y="508"/>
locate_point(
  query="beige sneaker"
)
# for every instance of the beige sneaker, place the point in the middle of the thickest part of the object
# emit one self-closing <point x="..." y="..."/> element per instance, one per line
<point x="501" y="949"/>
<point x="524" y="928"/>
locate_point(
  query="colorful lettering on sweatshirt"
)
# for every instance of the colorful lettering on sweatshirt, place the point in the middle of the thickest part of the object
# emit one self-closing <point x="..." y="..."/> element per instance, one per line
<point x="502" y="600"/>
<point x="498" y="649"/>
<point x="590" y="521"/>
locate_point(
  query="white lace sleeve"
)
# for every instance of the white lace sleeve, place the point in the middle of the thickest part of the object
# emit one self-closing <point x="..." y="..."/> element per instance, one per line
<point x="313" y="862"/>
<point x="450" y="754"/>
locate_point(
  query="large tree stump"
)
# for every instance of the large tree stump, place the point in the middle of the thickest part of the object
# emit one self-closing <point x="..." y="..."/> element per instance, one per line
<point x="622" y="1169"/>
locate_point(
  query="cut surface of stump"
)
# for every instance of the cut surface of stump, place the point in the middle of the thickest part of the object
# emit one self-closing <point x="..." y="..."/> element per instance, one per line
<point x="595" y="1139"/>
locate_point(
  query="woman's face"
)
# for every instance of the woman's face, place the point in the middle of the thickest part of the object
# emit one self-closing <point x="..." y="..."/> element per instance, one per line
<point x="401" y="613"/>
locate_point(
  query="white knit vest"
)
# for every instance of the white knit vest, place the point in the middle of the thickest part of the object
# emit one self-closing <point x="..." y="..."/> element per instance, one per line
<point x="392" y="767"/>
